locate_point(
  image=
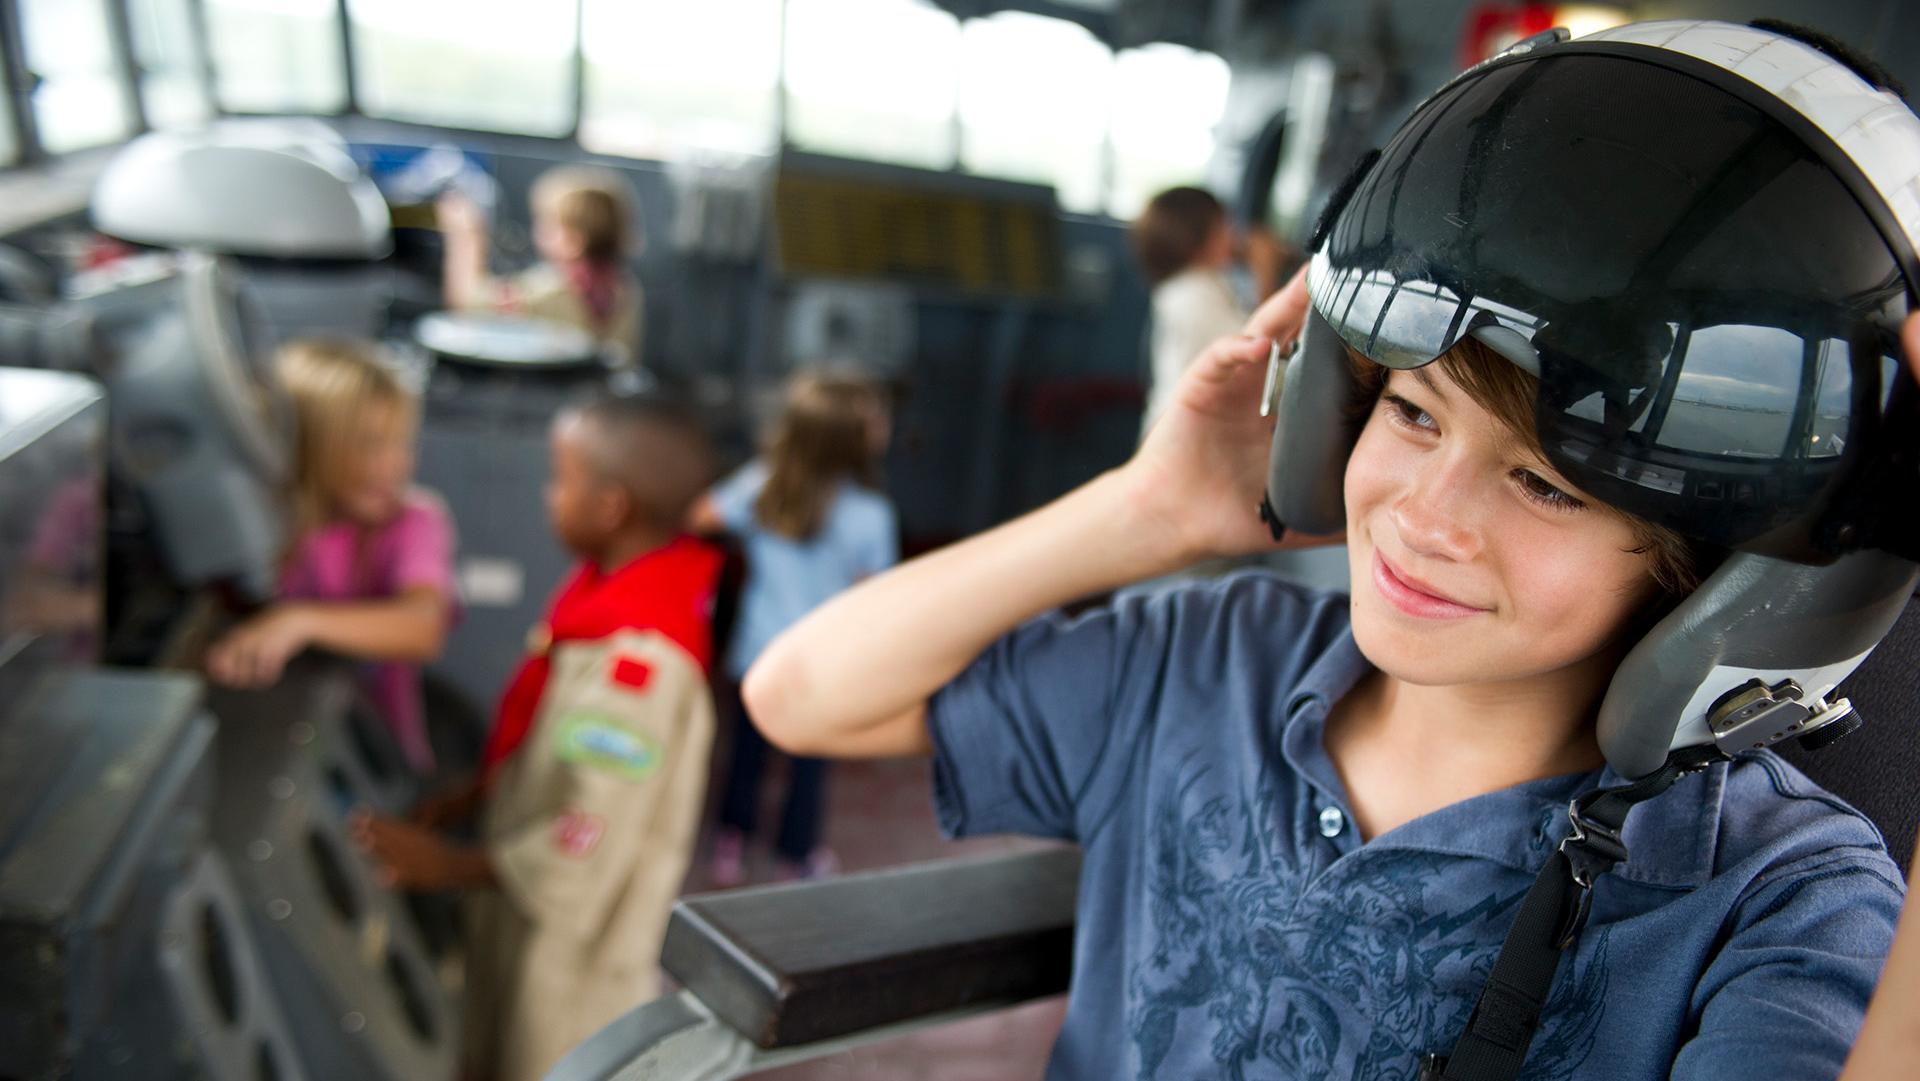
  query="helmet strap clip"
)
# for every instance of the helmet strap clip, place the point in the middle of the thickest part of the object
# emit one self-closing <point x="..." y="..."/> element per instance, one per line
<point x="1552" y="914"/>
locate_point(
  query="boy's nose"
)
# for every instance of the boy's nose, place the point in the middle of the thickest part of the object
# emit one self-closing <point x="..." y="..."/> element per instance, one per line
<point x="1438" y="515"/>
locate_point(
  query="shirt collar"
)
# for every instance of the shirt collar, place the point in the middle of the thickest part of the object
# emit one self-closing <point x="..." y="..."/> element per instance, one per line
<point x="1671" y="839"/>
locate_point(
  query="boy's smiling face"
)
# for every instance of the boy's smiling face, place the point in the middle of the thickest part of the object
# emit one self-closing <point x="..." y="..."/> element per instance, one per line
<point x="1471" y="561"/>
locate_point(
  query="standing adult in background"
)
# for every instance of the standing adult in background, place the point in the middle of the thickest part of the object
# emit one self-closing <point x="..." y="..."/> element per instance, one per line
<point x="1187" y="249"/>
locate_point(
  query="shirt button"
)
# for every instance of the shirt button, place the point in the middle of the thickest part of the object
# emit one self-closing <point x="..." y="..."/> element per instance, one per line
<point x="1332" y="822"/>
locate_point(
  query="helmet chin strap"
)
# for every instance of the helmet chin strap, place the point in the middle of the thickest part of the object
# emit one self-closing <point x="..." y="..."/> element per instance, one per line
<point x="1552" y="915"/>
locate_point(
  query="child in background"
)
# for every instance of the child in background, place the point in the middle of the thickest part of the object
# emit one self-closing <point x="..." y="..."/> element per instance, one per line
<point x="589" y="797"/>
<point x="370" y="570"/>
<point x="812" y="524"/>
<point x="583" y="231"/>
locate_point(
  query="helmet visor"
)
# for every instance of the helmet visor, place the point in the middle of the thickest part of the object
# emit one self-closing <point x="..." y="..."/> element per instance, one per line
<point x="1707" y="307"/>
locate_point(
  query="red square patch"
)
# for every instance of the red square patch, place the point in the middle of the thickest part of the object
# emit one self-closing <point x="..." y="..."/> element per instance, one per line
<point x="632" y="674"/>
<point x="576" y="833"/>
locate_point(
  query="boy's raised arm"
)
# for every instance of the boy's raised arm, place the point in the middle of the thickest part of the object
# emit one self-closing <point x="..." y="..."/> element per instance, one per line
<point x="854" y="677"/>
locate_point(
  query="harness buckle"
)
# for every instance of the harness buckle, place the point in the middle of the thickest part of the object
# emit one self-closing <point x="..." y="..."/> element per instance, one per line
<point x="1591" y="850"/>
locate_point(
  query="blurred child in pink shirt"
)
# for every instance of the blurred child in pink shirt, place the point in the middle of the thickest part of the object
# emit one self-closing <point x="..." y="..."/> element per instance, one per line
<point x="370" y="571"/>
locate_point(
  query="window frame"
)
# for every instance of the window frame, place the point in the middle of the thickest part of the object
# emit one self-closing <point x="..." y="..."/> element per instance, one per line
<point x="20" y="82"/>
<point x="29" y="149"/>
<point x="202" y="72"/>
<point x="19" y="103"/>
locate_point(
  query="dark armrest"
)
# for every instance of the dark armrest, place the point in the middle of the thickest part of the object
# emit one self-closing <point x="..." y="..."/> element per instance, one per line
<point x="796" y="964"/>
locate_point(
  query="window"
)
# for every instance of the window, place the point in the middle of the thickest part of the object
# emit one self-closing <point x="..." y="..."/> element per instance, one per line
<point x="667" y="76"/>
<point x="171" y="63"/>
<point x="1167" y="100"/>
<point x="502" y="65"/>
<point x="872" y="79"/>
<point x="277" y="56"/>
<point x="80" y="100"/>
<point x="1035" y="93"/>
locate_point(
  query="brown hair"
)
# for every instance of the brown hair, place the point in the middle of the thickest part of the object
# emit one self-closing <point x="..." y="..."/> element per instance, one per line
<point x="592" y="202"/>
<point x="334" y="383"/>
<point x="652" y="447"/>
<point x="1508" y="392"/>
<point x="1173" y="229"/>
<point x="821" y="438"/>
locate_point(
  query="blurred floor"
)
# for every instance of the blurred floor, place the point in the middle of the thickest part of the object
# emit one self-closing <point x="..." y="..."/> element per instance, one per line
<point x="880" y="814"/>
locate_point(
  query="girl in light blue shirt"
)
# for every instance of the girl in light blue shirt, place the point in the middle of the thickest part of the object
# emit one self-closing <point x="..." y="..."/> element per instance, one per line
<point x="812" y="521"/>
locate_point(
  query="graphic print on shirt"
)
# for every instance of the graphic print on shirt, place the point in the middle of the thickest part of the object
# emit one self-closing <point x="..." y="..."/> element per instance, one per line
<point x="1354" y="974"/>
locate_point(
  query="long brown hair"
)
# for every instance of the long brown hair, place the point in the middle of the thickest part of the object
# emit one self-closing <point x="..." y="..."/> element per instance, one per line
<point x="823" y="436"/>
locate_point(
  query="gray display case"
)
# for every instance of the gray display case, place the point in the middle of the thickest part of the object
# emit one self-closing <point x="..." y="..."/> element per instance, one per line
<point x="52" y="433"/>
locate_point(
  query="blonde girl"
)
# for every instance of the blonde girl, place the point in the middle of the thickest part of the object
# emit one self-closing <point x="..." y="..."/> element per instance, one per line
<point x="369" y="573"/>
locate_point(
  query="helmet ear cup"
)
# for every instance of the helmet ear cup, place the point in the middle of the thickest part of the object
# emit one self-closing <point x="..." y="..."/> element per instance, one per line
<point x="1756" y="617"/>
<point x="1307" y="464"/>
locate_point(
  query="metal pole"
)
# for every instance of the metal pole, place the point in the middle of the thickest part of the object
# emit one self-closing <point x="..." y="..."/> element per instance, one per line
<point x="344" y="22"/>
<point x="19" y="84"/>
<point x="203" y="45"/>
<point x="780" y="86"/>
<point x="132" y="73"/>
<point x="579" y="68"/>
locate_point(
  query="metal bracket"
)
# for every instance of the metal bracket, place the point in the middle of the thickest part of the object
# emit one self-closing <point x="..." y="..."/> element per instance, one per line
<point x="1277" y="358"/>
<point x="678" y="1038"/>
<point x="1754" y="715"/>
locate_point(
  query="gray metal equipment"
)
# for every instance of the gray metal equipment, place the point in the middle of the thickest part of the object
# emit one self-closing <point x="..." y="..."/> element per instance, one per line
<point x="782" y="974"/>
<point x="281" y="194"/>
<point x="363" y="999"/>
<point x="52" y="426"/>
<point x="123" y="953"/>
<point x="200" y="426"/>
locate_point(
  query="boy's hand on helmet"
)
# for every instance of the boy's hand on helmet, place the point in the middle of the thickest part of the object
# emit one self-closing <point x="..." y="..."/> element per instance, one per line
<point x="1202" y="469"/>
<point x="1281" y="315"/>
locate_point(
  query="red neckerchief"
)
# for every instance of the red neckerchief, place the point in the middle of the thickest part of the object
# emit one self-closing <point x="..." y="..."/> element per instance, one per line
<point x="669" y="590"/>
<point x="597" y="282"/>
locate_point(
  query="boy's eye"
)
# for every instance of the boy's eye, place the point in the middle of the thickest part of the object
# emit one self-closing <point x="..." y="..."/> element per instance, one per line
<point x="1536" y="488"/>
<point x="1405" y="412"/>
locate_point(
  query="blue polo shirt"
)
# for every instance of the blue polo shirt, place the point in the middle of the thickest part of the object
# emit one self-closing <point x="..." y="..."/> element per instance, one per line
<point x="1231" y="924"/>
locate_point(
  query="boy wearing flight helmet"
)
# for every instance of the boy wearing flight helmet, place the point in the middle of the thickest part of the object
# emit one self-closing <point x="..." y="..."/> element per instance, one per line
<point x="1659" y="270"/>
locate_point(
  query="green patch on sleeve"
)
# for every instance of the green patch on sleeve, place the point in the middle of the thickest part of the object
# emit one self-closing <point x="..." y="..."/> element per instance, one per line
<point x="590" y="740"/>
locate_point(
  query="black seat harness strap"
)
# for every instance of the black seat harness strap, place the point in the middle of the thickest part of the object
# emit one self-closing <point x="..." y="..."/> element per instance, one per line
<point x="1504" y="1021"/>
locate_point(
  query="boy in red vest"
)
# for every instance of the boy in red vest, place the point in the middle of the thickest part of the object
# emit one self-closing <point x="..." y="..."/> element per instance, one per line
<point x="589" y="798"/>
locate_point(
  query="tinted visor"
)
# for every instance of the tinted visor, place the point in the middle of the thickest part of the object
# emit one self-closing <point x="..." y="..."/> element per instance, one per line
<point x="1709" y="311"/>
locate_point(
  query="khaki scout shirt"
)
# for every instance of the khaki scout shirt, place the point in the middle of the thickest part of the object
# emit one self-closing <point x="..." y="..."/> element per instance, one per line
<point x="589" y="826"/>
